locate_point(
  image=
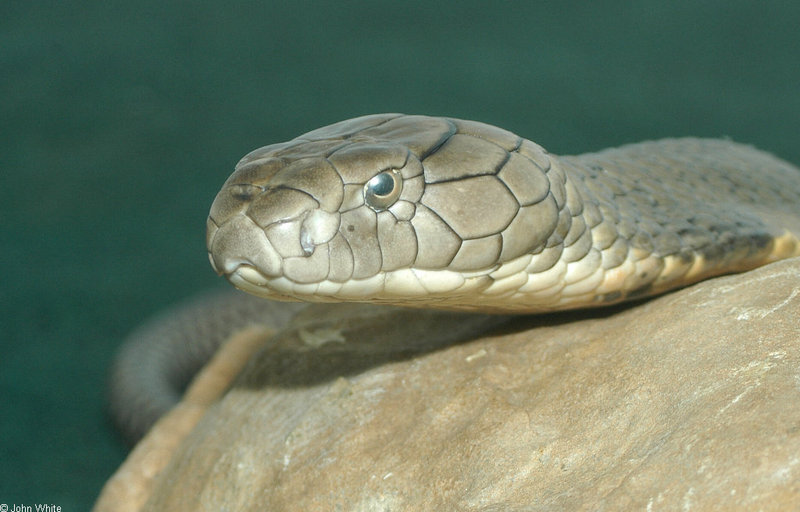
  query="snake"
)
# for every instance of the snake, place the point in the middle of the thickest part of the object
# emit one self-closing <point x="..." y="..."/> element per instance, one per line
<point x="433" y="212"/>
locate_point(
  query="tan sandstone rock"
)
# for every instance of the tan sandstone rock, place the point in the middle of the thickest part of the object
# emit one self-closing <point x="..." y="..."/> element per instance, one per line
<point x="689" y="401"/>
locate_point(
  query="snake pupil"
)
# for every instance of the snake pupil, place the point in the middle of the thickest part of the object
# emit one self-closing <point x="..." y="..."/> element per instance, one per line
<point x="382" y="184"/>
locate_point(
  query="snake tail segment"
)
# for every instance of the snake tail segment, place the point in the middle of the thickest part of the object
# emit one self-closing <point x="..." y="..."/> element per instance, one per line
<point x="158" y="360"/>
<point x="452" y="214"/>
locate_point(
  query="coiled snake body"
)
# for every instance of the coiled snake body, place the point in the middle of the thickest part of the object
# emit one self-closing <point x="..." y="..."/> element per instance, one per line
<point x="443" y="213"/>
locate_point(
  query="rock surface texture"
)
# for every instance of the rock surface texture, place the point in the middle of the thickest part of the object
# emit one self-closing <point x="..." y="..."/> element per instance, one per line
<point x="689" y="401"/>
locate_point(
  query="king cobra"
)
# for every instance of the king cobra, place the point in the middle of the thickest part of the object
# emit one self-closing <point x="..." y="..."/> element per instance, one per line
<point x="450" y="214"/>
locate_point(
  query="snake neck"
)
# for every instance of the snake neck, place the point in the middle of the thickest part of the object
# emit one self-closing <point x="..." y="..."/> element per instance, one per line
<point x="571" y="268"/>
<point x="622" y="232"/>
<point x="602" y="253"/>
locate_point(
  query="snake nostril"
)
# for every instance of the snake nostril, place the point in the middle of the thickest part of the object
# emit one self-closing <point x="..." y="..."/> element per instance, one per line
<point x="306" y="242"/>
<point x="318" y="227"/>
<point x="243" y="191"/>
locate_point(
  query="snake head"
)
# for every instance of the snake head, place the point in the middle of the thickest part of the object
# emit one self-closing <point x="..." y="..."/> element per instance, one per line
<point x="382" y="208"/>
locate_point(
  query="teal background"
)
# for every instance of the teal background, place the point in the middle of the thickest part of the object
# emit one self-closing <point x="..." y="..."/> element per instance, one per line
<point x="119" y="120"/>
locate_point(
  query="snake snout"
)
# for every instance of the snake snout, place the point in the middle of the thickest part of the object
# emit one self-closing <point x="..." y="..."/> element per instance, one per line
<point x="278" y="235"/>
<point x="241" y="243"/>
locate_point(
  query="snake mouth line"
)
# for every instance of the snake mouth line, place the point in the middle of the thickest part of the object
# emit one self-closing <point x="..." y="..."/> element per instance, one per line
<point x="249" y="279"/>
<point x="250" y="274"/>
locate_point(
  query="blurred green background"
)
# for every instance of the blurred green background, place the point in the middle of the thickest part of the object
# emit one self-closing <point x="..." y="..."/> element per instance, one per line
<point x="120" y="120"/>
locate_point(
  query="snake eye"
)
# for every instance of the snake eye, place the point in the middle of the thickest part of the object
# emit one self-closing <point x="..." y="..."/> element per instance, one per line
<point x="383" y="190"/>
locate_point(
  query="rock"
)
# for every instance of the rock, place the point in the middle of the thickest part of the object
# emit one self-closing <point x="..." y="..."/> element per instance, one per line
<point x="132" y="483"/>
<point x="690" y="400"/>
